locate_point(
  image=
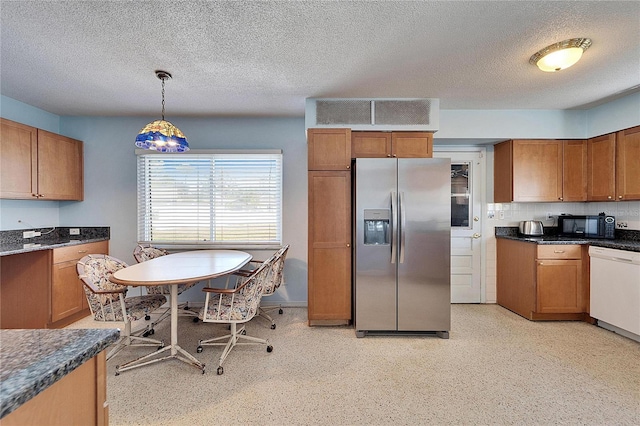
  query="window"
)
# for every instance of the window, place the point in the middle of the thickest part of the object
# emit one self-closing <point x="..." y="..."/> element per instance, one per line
<point x="210" y="198"/>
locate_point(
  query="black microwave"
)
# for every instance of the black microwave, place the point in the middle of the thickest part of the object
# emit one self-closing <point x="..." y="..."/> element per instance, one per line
<point x="600" y="226"/>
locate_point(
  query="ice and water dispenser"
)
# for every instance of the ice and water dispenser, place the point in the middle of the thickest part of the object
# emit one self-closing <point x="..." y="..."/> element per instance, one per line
<point x="376" y="226"/>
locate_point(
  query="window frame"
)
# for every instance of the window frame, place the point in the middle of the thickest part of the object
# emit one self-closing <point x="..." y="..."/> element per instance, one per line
<point x="274" y="244"/>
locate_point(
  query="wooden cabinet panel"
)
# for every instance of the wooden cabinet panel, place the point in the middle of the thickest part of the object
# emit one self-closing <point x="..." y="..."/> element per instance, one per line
<point x="601" y="185"/>
<point x="540" y="170"/>
<point x="25" y="290"/>
<point x="559" y="286"/>
<point x="574" y="170"/>
<point x="60" y="167"/>
<point x="329" y="149"/>
<point x="370" y="144"/>
<point x="537" y="170"/>
<point x="628" y="164"/>
<point x="516" y="274"/>
<point x="329" y="288"/>
<point x="559" y="251"/>
<point x="79" y="398"/>
<point x="412" y="144"/>
<point x="18" y="162"/>
<point x="37" y="164"/>
<point x="67" y="292"/>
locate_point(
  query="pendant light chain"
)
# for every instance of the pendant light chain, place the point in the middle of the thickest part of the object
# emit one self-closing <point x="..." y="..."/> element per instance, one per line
<point x="163" y="79"/>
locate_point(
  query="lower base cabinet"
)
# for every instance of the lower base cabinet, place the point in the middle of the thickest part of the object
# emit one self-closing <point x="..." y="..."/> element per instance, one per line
<point x="41" y="289"/>
<point x="79" y="398"/>
<point x="543" y="282"/>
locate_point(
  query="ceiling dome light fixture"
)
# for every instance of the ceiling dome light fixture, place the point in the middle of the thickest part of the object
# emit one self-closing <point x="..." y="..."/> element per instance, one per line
<point x="161" y="135"/>
<point x="560" y="55"/>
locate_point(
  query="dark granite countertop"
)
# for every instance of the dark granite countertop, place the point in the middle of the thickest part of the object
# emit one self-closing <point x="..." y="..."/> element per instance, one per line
<point x="33" y="360"/>
<point x="11" y="242"/>
<point x="626" y="240"/>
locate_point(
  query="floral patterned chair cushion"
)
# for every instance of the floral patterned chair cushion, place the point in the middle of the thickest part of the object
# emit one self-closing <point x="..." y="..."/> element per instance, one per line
<point x="107" y="300"/>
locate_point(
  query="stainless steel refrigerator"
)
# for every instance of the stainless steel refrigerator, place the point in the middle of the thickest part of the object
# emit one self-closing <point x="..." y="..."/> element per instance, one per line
<point x="402" y="246"/>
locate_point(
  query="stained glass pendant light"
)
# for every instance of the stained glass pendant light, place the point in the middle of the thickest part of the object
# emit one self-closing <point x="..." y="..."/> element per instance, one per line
<point x="161" y="135"/>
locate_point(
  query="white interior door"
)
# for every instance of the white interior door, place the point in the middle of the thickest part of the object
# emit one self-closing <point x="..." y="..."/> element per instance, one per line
<point x="467" y="174"/>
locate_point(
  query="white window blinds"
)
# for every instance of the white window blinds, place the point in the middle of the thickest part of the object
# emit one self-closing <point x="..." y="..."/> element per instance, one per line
<point x="210" y="199"/>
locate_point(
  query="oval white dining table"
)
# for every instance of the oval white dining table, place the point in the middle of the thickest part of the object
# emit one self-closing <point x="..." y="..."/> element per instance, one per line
<point x="173" y="269"/>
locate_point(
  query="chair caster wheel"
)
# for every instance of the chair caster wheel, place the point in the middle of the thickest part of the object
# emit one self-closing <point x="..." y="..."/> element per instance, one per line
<point x="146" y="333"/>
<point x="243" y="332"/>
<point x="199" y="349"/>
<point x="269" y="348"/>
<point x="147" y="317"/>
<point x="117" y="372"/>
<point x="195" y="319"/>
<point x="152" y="332"/>
<point x="220" y="371"/>
<point x="280" y="311"/>
<point x="273" y="326"/>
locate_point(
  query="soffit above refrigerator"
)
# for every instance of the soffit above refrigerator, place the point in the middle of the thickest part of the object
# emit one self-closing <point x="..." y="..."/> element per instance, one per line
<point x="376" y="114"/>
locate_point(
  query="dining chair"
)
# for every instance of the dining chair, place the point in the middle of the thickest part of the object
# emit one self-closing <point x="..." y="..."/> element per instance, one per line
<point x="275" y="279"/>
<point x="144" y="252"/>
<point x="108" y="301"/>
<point x="234" y="306"/>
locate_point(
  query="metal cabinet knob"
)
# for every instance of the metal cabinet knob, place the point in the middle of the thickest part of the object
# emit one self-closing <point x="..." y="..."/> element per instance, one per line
<point x="476" y="235"/>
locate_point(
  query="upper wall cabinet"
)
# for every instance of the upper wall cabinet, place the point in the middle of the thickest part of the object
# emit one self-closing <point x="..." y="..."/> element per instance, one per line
<point x="628" y="164"/>
<point x="39" y="165"/>
<point x="329" y="149"/>
<point x="540" y="171"/>
<point x="614" y="166"/>
<point x="392" y="144"/>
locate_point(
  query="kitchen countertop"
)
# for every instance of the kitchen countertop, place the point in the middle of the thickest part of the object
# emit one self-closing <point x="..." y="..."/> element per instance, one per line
<point x="16" y="248"/>
<point x="12" y="242"/>
<point x="627" y="242"/>
<point x="33" y="360"/>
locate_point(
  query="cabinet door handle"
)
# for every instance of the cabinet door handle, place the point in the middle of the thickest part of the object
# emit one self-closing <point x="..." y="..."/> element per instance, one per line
<point x="558" y="251"/>
<point x="609" y="197"/>
<point x="620" y="197"/>
<point x="560" y="198"/>
<point x="348" y="167"/>
<point x="82" y="251"/>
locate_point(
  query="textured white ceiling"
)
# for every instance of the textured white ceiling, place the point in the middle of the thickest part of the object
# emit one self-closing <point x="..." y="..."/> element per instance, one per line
<point x="264" y="58"/>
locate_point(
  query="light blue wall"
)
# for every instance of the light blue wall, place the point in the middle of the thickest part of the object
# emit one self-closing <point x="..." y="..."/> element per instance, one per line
<point x="613" y="116"/>
<point x="110" y="180"/>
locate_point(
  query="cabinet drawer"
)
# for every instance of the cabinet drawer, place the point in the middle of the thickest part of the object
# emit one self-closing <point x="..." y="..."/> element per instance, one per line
<point x="65" y="254"/>
<point x="560" y="251"/>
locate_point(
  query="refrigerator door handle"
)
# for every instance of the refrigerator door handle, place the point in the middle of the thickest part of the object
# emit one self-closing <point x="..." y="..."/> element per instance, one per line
<point x="402" y="226"/>
<point x="394" y="227"/>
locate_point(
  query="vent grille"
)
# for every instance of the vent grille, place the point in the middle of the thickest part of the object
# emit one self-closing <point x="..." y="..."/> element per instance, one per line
<point x="375" y="114"/>
<point x="402" y="112"/>
<point x="346" y="111"/>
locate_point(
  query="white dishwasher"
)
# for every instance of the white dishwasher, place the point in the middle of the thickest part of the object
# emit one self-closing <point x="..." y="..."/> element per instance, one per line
<point x="615" y="289"/>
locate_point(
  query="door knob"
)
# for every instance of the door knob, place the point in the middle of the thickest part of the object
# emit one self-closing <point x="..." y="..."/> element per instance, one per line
<point x="476" y="218"/>
<point x="476" y="235"/>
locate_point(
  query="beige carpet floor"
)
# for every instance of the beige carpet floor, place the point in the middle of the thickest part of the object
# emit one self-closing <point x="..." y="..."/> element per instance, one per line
<point x="496" y="369"/>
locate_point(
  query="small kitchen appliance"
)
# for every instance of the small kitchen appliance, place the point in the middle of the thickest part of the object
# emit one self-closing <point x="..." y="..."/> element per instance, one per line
<point x="532" y="228"/>
<point x="600" y="226"/>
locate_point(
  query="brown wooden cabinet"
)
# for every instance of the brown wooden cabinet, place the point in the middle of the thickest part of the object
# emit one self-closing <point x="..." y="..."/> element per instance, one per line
<point x="79" y="398"/>
<point x="67" y="292"/>
<point x="540" y="171"/>
<point x="36" y="164"/>
<point x="543" y="282"/>
<point x="41" y="289"/>
<point x="391" y="144"/>
<point x="601" y="168"/>
<point x="329" y="268"/>
<point x="628" y="164"/>
<point x="329" y="149"/>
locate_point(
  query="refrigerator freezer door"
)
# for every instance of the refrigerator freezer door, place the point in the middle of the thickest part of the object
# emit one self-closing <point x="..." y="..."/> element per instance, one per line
<point x="424" y="291"/>
<point x="375" y="274"/>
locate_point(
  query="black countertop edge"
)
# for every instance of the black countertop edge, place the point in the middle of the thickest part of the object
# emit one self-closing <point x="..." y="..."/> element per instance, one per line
<point x="9" y="249"/>
<point x="549" y="239"/>
<point x="33" y="360"/>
